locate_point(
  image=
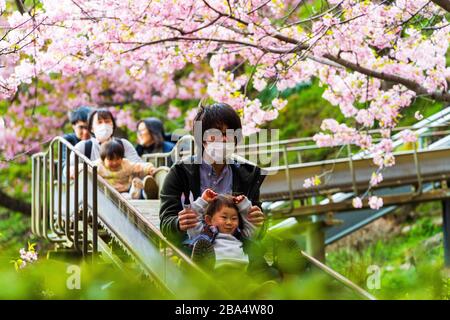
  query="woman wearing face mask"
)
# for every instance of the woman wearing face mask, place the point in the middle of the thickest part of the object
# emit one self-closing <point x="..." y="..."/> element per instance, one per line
<point x="101" y="125"/>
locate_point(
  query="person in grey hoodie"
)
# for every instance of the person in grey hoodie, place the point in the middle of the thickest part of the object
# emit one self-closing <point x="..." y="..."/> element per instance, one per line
<point x="217" y="238"/>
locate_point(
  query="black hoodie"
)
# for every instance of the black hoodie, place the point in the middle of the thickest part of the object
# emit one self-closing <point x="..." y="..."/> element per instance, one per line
<point x="184" y="177"/>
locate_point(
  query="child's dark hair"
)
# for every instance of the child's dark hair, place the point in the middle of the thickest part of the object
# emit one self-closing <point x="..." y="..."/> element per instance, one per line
<point x="112" y="150"/>
<point x="222" y="200"/>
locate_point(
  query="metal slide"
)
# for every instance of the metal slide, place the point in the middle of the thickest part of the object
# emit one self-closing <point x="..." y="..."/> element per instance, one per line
<point x="75" y="212"/>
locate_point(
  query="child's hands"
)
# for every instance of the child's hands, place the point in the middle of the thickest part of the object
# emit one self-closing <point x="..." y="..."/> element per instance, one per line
<point x="238" y="199"/>
<point x="151" y="171"/>
<point x="209" y="195"/>
<point x="73" y="172"/>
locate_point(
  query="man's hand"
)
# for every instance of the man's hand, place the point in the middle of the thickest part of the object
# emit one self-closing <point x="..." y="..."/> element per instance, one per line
<point x="256" y="216"/>
<point x="187" y="219"/>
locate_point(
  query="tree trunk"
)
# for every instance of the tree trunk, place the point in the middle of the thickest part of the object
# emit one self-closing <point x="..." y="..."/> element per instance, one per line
<point x="14" y="204"/>
<point x="444" y="4"/>
<point x="20" y="6"/>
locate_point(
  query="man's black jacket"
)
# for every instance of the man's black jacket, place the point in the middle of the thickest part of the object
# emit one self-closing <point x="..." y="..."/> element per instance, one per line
<point x="184" y="177"/>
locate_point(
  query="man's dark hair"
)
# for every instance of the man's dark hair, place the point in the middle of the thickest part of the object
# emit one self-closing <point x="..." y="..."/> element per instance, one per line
<point x="79" y="114"/>
<point x="222" y="200"/>
<point x="101" y="114"/>
<point x="112" y="150"/>
<point x="216" y="116"/>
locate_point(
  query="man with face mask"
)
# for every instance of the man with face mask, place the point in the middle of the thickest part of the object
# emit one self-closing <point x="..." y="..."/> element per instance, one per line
<point x="217" y="130"/>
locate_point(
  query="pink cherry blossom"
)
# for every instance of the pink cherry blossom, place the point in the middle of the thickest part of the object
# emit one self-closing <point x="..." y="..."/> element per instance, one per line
<point x="279" y="103"/>
<point x="311" y="182"/>
<point x="173" y="112"/>
<point x="376" y="178"/>
<point x="408" y="136"/>
<point x="357" y="202"/>
<point x="123" y="54"/>
<point x="375" y="202"/>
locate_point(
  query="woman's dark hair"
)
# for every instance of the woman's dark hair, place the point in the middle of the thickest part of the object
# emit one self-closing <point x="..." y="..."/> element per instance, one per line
<point x="79" y="114"/>
<point x="101" y="114"/>
<point x="156" y="128"/>
<point x="112" y="150"/>
<point x="222" y="200"/>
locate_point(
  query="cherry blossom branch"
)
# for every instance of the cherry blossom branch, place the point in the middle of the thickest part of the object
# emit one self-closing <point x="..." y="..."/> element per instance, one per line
<point x="259" y="7"/>
<point x="287" y="16"/>
<point x="182" y="32"/>
<point x="411" y="85"/>
<point x="84" y="11"/>
<point x="175" y="39"/>
<point x="277" y="36"/>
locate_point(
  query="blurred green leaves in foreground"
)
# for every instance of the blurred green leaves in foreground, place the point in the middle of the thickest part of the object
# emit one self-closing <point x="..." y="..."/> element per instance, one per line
<point x="53" y="279"/>
<point x="411" y="267"/>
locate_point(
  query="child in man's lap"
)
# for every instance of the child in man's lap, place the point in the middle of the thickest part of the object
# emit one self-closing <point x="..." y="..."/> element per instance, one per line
<point x="218" y="236"/>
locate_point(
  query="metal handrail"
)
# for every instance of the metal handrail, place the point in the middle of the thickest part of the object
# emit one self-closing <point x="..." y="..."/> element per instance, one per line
<point x="175" y="153"/>
<point x="435" y="121"/>
<point x="311" y="139"/>
<point x="43" y="197"/>
<point x="50" y="224"/>
<point x="339" y="277"/>
<point x="278" y="147"/>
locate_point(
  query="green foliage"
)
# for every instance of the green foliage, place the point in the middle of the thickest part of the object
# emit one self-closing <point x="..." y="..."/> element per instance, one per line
<point x="14" y="227"/>
<point x="16" y="180"/>
<point x="409" y="269"/>
<point x="52" y="279"/>
<point x="304" y="113"/>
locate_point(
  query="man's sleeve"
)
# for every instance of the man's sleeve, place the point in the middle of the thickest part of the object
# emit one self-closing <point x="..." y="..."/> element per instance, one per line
<point x="255" y="200"/>
<point x="170" y="196"/>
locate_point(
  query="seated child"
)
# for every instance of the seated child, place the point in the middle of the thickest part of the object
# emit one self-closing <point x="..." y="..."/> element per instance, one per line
<point x="223" y="224"/>
<point x="125" y="176"/>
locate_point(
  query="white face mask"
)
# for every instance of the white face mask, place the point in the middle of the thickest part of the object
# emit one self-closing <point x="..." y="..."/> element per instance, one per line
<point x="219" y="151"/>
<point x="103" y="132"/>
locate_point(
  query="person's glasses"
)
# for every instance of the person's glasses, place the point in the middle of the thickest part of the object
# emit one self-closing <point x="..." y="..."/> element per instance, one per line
<point x="142" y="132"/>
<point x="213" y="137"/>
<point x="81" y="127"/>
